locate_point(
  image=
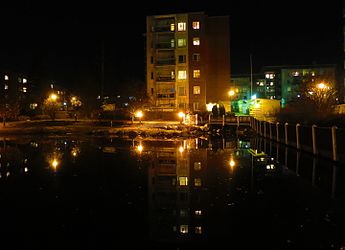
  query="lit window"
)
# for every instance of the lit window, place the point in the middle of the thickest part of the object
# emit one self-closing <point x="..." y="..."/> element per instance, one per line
<point x="6" y="86"/>
<point x="197" y="182"/>
<point x="172" y="74"/>
<point x="197" y="166"/>
<point x="196" y="73"/>
<point x="172" y="43"/>
<point x="196" y="41"/>
<point x="33" y="105"/>
<point x="269" y="76"/>
<point x="181" y="42"/>
<point x="181" y="26"/>
<point x="182" y="74"/>
<point x="196" y="25"/>
<point x="197" y="212"/>
<point x="24" y="89"/>
<point x="183" y="180"/>
<point x="6" y="78"/>
<point x="198" y="230"/>
<point x="296" y="73"/>
<point x="271" y="83"/>
<point x="181" y="91"/>
<point x="196" y="57"/>
<point x="172" y="27"/>
<point x="19" y="79"/>
<point x="196" y="90"/>
<point x="184" y="229"/>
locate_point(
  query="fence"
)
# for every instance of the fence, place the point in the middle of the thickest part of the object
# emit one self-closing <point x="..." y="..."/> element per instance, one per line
<point x="328" y="142"/>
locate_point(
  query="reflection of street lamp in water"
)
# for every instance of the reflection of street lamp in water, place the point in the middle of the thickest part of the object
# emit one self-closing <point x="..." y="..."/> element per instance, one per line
<point x="231" y="94"/>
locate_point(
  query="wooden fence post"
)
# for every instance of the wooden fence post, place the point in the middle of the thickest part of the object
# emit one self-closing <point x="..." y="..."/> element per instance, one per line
<point x="286" y="133"/>
<point x="313" y="135"/>
<point x="297" y="136"/>
<point x="334" y="143"/>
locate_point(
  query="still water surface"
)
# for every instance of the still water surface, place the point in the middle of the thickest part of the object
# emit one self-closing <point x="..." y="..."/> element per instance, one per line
<point x="103" y="193"/>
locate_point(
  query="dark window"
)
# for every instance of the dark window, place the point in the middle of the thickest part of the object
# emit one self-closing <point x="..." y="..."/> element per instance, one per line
<point x="182" y="59"/>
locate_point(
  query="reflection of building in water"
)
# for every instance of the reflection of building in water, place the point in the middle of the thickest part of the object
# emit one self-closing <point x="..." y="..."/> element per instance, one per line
<point x="195" y="188"/>
<point x="12" y="159"/>
<point x="176" y="194"/>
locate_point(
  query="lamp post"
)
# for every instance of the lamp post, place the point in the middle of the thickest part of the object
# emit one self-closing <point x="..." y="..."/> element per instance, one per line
<point x="231" y="93"/>
<point x="139" y="114"/>
<point x="181" y="115"/>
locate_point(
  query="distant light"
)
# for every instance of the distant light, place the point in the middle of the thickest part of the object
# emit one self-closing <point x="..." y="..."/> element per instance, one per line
<point x="139" y="114"/>
<point x="181" y="114"/>
<point x="231" y="93"/>
<point x="232" y="163"/>
<point x="181" y="149"/>
<point x="53" y="97"/>
<point x="321" y="85"/>
<point x="298" y="95"/>
<point x="253" y="97"/>
<point x="140" y="148"/>
<point x="209" y="106"/>
<point x="54" y="163"/>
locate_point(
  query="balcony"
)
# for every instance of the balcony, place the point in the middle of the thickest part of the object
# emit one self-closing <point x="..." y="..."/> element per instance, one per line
<point x="165" y="61"/>
<point x="164" y="45"/>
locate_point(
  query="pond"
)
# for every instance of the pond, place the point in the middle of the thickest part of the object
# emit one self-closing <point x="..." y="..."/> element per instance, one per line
<point x="112" y="193"/>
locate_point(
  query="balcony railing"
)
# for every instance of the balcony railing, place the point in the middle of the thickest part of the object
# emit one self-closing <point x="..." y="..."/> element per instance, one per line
<point x="168" y="61"/>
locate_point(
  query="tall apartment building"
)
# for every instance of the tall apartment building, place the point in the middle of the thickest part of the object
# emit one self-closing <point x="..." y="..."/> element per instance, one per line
<point x="188" y="60"/>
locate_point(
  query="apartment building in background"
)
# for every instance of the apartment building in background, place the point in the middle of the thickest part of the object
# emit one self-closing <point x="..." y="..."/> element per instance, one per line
<point x="187" y="60"/>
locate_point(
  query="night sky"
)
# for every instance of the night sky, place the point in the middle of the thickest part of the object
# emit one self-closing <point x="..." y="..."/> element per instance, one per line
<point x="62" y="42"/>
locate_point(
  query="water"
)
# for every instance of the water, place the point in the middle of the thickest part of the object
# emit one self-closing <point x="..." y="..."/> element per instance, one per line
<point x="108" y="193"/>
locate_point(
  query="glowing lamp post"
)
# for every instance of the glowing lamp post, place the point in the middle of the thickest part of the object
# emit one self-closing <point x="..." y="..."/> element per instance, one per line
<point x="181" y="115"/>
<point x="321" y="86"/>
<point x="53" y="97"/>
<point x="139" y="115"/>
<point x="231" y="93"/>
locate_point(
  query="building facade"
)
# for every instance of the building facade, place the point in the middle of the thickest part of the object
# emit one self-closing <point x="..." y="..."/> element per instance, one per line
<point x="188" y="60"/>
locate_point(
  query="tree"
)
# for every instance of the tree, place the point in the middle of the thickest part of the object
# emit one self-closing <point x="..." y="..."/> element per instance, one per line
<point x="9" y="110"/>
<point x="51" y="106"/>
<point x="316" y="101"/>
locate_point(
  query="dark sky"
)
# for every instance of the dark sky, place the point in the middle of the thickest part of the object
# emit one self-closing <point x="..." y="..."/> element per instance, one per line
<point x="61" y="41"/>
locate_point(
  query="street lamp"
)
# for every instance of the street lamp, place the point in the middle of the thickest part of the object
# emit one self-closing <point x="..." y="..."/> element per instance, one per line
<point x="53" y="97"/>
<point x="139" y="114"/>
<point x="231" y="93"/>
<point x="181" y="115"/>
